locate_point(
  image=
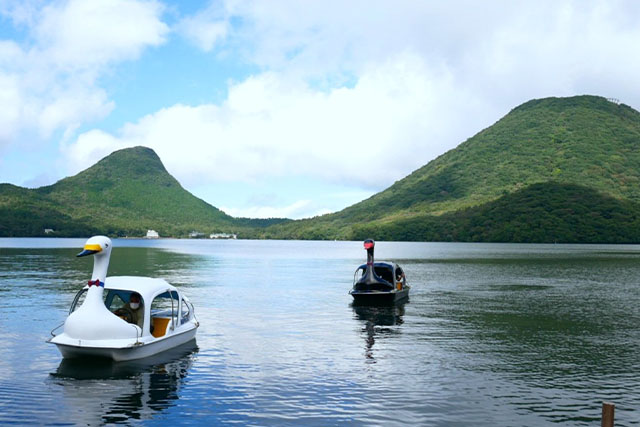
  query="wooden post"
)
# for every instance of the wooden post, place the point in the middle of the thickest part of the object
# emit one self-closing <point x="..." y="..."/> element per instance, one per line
<point x="607" y="414"/>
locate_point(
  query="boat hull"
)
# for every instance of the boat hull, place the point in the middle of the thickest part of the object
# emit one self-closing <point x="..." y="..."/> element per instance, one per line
<point x="380" y="297"/>
<point x="127" y="353"/>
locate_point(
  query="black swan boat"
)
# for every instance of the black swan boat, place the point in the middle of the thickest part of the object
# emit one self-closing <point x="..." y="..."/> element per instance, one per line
<point x="378" y="282"/>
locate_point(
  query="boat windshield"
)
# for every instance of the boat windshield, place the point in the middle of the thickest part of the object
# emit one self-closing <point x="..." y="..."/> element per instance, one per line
<point x="165" y="305"/>
<point x="115" y="299"/>
<point x="187" y="311"/>
<point x="358" y="274"/>
<point x="78" y="300"/>
<point x="384" y="272"/>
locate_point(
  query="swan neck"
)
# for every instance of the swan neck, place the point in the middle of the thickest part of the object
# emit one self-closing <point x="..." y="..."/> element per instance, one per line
<point x="94" y="294"/>
<point x="100" y="266"/>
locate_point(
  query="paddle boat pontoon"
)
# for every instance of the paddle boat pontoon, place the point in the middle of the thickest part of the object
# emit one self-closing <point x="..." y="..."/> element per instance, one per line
<point x="378" y="282"/>
<point x="101" y="320"/>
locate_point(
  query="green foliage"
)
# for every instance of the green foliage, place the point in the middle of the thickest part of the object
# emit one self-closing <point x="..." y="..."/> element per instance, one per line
<point x="584" y="140"/>
<point x="124" y="194"/>
<point x="25" y="213"/>
<point x="554" y="169"/>
<point x="548" y="212"/>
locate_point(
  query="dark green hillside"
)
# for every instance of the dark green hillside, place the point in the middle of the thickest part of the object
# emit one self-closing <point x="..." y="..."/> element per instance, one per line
<point x="555" y="169"/>
<point x="26" y="213"/>
<point x="130" y="191"/>
<point x="585" y="140"/>
<point x="123" y="194"/>
<point x="545" y="212"/>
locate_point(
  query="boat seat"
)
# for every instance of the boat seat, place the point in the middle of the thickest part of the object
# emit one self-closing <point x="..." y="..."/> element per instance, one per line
<point x="160" y="326"/>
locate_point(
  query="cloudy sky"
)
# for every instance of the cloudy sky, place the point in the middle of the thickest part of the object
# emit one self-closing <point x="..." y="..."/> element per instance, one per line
<point x="290" y="108"/>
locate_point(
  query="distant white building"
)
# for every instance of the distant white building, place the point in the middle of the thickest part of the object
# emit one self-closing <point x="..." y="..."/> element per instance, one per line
<point x="196" y="235"/>
<point x="152" y="234"/>
<point x="48" y="230"/>
<point x="222" y="236"/>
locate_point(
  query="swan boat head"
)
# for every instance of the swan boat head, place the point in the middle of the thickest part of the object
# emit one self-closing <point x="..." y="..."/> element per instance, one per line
<point x="100" y="247"/>
<point x="93" y="321"/>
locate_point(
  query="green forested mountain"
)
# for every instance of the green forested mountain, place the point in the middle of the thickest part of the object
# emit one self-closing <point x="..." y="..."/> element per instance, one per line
<point x="552" y="170"/>
<point x="541" y="213"/>
<point x="24" y="212"/>
<point x="125" y="193"/>
<point x="131" y="191"/>
<point x="583" y="140"/>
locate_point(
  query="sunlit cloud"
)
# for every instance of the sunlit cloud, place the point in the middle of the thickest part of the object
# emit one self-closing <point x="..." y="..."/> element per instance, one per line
<point x="206" y="28"/>
<point x="357" y="94"/>
<point x="369" y="134"/>
<point x="50" y="79"/>
<point x="298" y="209"/>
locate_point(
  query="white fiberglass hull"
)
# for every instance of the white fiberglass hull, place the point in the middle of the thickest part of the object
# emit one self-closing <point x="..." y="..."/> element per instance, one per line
<point x="130" y="352"/>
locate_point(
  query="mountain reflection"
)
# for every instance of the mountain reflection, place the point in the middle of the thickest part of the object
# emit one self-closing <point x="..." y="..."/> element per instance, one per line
<point x="377" y="320"/>
<point x="101" y="391"/>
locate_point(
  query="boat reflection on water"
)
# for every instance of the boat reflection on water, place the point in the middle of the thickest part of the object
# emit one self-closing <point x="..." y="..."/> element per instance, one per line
<point x="378" y="320"/>
<point x="99" y="391"/>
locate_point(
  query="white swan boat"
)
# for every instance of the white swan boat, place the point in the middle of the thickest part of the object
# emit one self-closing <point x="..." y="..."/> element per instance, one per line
<point x="97" y="325"/>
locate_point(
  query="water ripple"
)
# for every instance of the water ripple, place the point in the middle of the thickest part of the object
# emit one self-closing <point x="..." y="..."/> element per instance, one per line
<point x="492" y="335"/>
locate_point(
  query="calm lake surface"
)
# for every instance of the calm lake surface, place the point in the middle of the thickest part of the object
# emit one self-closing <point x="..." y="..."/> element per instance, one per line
<point x="493" y="335"/>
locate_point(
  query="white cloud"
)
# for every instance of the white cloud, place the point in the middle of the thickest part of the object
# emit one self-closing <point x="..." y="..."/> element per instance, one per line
<point x="505" y="52"/>
<point x="394" y="119"/>
<point x="9" y="115"/>
<point x="21" y="12"/>
<point x="50" y="80"/>
<point x="85" y="34"/>
<point x="298" y="209"/>
<point x="206" y="28"/>
<point x="358" y="92"/>
<point x="89" y="147"/>
<point x="369" y="94"/>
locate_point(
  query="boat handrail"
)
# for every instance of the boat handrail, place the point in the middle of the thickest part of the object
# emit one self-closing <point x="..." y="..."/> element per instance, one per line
<point x="136" y="327"/>
<point x="173" y="322"/>
<point x="52" y="334"/>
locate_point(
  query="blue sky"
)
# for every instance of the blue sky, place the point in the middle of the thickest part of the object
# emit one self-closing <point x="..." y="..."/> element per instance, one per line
<point x="289" y="108"/>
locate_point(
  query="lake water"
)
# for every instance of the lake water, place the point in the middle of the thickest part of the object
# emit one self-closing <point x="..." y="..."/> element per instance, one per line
<point x="493" y="335"/>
